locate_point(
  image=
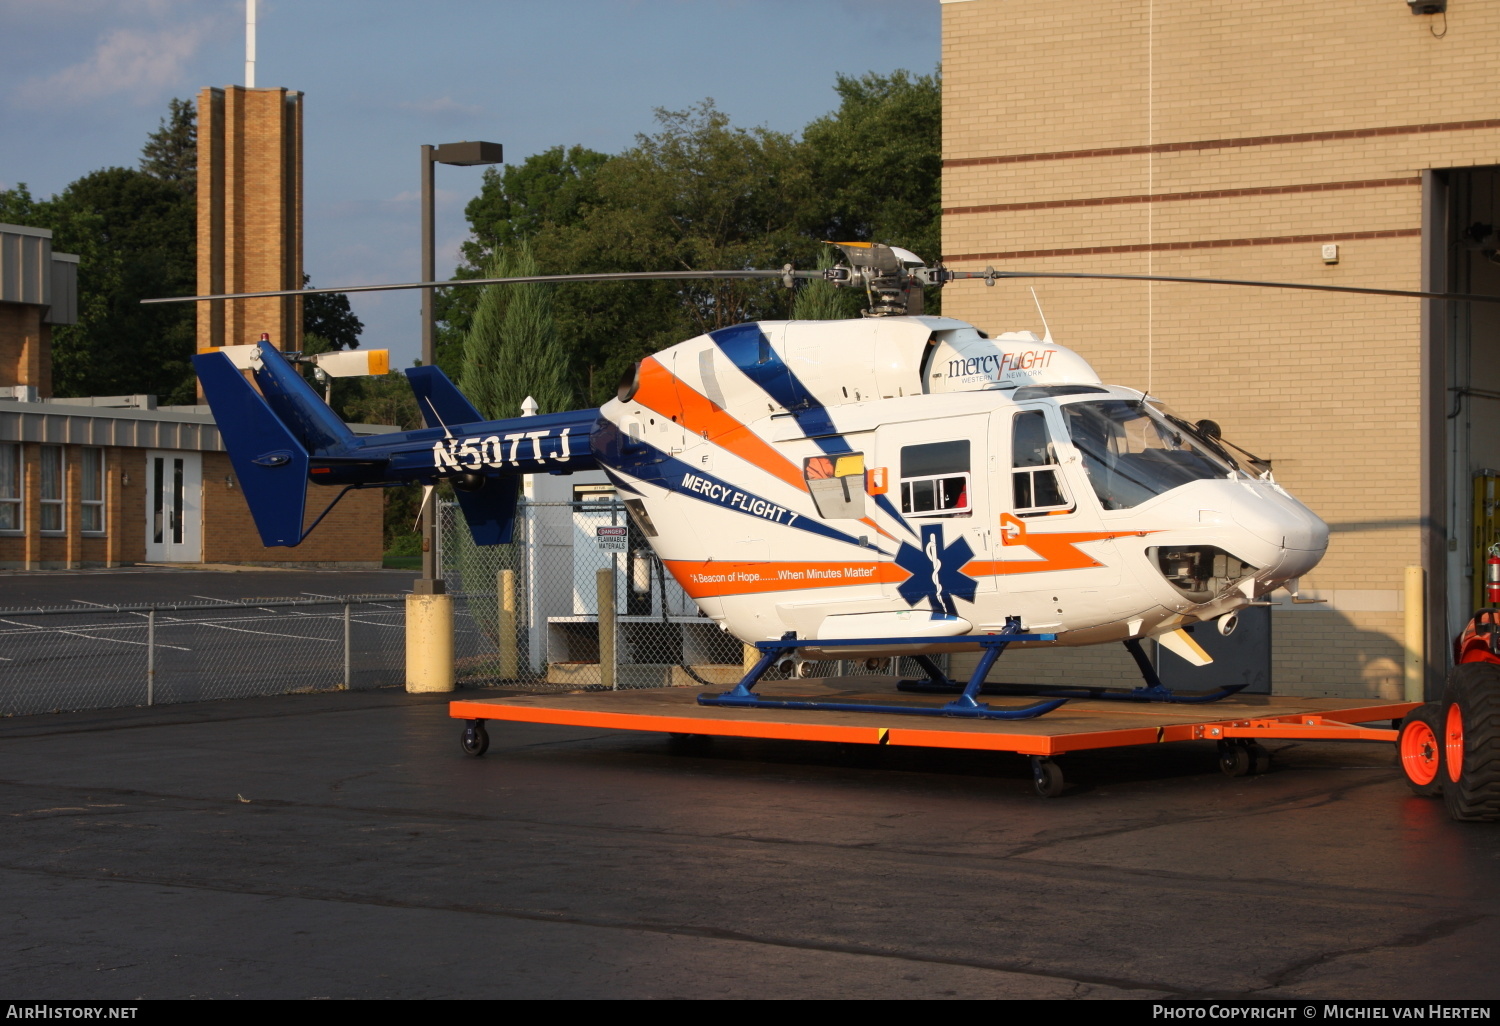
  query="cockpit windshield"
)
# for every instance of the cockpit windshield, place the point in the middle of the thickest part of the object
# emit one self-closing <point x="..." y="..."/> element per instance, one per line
<point x="1131" y="452"/>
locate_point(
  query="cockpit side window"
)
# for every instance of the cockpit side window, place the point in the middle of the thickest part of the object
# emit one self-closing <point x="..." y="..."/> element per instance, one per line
<point x="1036" y="481"/>
<point x="935" y="479"/>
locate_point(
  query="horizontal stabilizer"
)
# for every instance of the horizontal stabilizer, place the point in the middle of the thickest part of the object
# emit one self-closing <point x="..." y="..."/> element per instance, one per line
<point x="442" y="404"/>
<point x="269" y="461"/>
<point x="1181" y="643"/>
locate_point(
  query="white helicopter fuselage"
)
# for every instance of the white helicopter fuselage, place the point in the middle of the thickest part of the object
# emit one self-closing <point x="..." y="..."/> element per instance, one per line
<point x="907" y="478"/>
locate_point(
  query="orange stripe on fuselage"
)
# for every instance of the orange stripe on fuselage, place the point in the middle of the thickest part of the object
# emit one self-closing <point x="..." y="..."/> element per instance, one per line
<point x="1058" y="550"/>
<point x="673" y="398"/>
<point x="711" y="578"/>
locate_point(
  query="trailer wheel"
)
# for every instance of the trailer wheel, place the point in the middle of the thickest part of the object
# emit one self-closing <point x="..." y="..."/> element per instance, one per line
<point x="1235" y="760"/>
<point x="1260" y="759"/>
<point x="1470" y="736"/>
<point x="1420" y="751"/>
<point x="475" y="739"/>
<point x="1046" y="777"/>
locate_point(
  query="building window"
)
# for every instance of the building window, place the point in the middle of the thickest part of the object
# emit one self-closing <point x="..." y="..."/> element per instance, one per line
<point x="10" y="487"/>
<point x="92" y="509"/>
<point x="53" y="489"/>
<point x="1036" y="479"/>
<point x="935" y="479"/>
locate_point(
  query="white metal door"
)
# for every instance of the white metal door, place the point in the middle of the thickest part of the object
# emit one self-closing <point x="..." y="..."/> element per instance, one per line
<point x="174" y="496"/>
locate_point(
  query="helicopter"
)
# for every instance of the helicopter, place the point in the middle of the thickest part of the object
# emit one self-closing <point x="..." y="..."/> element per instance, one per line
<point x="896" y="484"/>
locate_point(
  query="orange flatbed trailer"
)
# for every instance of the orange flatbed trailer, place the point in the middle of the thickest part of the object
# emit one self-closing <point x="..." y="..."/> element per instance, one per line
<point x="1079" y="725"/>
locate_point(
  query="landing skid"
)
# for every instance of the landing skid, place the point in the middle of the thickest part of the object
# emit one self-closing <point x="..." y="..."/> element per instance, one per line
<point x="965" y="705"/>
<point x="937" y="683"/>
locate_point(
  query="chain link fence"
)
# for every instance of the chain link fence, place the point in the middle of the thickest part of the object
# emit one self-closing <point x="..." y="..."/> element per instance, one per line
<point x="72" y="657"/>
<point x="578" y="599"/>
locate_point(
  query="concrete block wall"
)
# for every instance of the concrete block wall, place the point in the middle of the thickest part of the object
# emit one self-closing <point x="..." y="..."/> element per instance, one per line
<point x="1215" y="139"/>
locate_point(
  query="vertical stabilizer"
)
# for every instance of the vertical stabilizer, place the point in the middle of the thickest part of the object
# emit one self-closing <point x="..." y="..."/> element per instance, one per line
<point x="269" y="461"/>
<point x="300" y="408"/>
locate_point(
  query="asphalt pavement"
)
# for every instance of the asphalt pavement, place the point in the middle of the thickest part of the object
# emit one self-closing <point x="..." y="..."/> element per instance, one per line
<point x="341" y="846"/>
<point x="135" y="585"/>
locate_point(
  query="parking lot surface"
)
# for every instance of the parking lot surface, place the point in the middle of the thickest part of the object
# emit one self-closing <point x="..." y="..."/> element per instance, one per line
<point x="342" y="846"/>
<point x="134" y="585"/>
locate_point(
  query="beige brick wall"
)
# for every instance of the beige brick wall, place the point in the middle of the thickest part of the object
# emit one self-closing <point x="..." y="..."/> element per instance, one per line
<point x="249" y="214"/>
<point x="1187" y="108"/>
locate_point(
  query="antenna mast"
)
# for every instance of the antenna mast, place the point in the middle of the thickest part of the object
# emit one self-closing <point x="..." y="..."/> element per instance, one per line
<point x="249" y="44"/>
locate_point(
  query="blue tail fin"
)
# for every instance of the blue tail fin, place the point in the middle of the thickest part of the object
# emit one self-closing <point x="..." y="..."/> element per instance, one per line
<point x="270" y="462"/>
<point x="442" y="404"/>
<point x="300" y="408"/>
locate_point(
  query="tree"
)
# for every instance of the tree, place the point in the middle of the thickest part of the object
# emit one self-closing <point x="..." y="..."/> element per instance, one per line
<point x="511" y="350"/>
<point x="875" y="164"/>
<point x="545" y="191"/>
<point x="329" y="317"/>
<point x="135" y="233"/>
<point x="171" y="152"/>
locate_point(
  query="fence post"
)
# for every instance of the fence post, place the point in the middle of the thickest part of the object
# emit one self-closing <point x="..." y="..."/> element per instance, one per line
<point x="348" y="652"/>
<point x="151" y="657"/>
<point x="605" y="582"/>
<point x="510" y="662"/>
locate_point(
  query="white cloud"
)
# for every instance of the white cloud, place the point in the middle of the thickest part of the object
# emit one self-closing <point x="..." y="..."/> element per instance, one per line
<point x="139" y="63"/>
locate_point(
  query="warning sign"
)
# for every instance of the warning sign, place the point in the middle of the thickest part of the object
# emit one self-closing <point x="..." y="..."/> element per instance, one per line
<point x="610" y="539"/>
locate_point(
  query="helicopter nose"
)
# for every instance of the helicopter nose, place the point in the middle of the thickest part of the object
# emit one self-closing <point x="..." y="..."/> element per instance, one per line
<point x="1297" y="532"/>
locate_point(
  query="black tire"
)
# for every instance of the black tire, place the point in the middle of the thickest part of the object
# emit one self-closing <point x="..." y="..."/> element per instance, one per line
<point x="1235" y="760"/>
<point x="475" y="740"/>
<point x="1471" y="742"/>
<point x="1419" y="750"/>
<point x="1047" y="777"/>
<point x="1260" y="759"/>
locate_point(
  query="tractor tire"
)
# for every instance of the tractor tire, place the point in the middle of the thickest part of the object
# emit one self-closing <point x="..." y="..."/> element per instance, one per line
<point x="1469" y="730"/>
<point x="1420" y="750"/>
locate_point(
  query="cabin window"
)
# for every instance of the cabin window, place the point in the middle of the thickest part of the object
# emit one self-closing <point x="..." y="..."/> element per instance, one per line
<point x="935" y="479"/>
<point x="1036" y="487"/>
<point x="837" y="484"/>
<point x="52" y="489"/>
<point x="10" y="486"/>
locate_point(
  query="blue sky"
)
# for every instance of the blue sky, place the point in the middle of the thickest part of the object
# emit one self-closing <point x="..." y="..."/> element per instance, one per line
<point x="84" y="81"/>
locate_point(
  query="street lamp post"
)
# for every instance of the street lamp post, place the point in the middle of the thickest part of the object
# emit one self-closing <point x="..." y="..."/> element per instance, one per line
<point x="429" y="610"/>
<point x="461" y="154"/>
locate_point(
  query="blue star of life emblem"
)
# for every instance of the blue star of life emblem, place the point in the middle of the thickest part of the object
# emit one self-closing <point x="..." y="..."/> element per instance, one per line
<point x="936" y="574"/>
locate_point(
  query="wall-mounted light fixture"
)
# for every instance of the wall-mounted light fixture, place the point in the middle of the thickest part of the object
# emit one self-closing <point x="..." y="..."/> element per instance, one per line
<point x="229" y="481"/>
<point x="1428" y="6"/>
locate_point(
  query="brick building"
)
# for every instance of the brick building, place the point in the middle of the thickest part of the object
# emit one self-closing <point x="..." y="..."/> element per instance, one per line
<point x="1346" y="142"/>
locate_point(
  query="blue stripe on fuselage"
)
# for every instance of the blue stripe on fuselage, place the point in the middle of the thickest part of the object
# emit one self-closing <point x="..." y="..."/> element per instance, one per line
<point x="747" y="347"/>
<point x="618" y="452"/>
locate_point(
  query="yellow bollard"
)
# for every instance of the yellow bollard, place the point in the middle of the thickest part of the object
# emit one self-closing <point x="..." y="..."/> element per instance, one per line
<point x="510" y="662"/>
<point x="1416" y="634"/>
<point x="750" y="657"/>
<point x="429" y="643"/>
<point x="605" y="581"/>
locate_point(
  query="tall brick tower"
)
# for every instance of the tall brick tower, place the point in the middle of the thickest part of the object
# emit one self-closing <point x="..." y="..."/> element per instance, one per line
<point x="249" y="214"/>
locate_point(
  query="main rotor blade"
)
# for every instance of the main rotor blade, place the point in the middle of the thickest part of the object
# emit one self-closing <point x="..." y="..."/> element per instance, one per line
<point x="993" y="275"/>
<point x="527" y="280"/>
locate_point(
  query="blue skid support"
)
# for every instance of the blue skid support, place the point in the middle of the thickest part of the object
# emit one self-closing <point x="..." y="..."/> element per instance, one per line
<point x="1154" y="691"/>
<point x="965" y="705"/>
